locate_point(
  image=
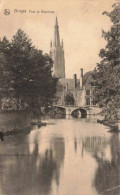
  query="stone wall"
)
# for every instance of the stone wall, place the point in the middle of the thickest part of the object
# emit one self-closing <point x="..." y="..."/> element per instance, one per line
<point x="17" y="120"/>
<point x="94" y="111"/>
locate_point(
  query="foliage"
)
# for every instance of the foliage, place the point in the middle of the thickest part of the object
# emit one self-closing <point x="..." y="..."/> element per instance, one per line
<point x="108" y="70"/>
<point x="31" y="76"/>
<point x="69" y="99"/>
<point x="5" y="75"/>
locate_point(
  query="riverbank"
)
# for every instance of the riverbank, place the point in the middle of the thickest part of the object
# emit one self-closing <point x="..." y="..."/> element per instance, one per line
<point x="114" y="127"/>
<point x="13" y="122"/>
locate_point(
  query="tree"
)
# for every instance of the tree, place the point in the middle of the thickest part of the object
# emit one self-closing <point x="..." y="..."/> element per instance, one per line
<point x="31" y="73"/>
<point x="108" y="70"/>
<point x="5" y="76"/>
<point x="69" y="99"/>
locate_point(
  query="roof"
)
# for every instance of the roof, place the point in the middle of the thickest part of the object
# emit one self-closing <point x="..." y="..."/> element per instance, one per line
<point x="86" y="75"/>
<point x="70" y="82"/>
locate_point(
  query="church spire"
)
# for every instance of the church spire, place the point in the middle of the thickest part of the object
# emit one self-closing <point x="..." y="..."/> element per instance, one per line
<point x="57" y="53"/>
<point x="62" y="43"/>
<point x="56" y="35"/>
<point x="56" y="22"/>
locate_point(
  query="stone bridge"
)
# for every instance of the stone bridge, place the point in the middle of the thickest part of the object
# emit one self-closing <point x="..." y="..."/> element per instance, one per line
<point x="70" y="109"/>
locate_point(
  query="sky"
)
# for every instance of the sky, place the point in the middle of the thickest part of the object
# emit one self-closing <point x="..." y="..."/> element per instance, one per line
<point x="80" y="25"/>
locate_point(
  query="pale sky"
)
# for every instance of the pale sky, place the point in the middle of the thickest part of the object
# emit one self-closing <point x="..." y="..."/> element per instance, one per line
<point x="80" y="24"/>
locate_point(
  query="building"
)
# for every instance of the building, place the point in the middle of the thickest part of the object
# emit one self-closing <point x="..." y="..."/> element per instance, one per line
<point x="57" y="54"/>
<point x="82" y="90"/>
<point x="79" y="92"/>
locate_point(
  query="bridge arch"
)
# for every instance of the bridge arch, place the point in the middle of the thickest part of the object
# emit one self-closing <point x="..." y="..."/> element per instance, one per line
<point x="79" y="112"/>
<point x="70" y="110"/>
<point x="58" y="109"/>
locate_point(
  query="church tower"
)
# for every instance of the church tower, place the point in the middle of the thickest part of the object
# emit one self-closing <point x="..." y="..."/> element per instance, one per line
<point x="57" y="53"/>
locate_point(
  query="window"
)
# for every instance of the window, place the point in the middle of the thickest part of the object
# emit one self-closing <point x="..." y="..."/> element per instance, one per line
<point x="88" y="92"/>
<point x="92" y="83"/>
<point x="87" y="101"/>
<point x="94" y="103"/>
<point x="93" y="92"/>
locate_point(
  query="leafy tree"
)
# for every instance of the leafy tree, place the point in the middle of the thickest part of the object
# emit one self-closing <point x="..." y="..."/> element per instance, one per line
<point x="5" y="75"/>
<point x="108" y="70"/>
<point x="69" y="99"/>
<point x="30" y="72"/>
<point x="59" y="89"/>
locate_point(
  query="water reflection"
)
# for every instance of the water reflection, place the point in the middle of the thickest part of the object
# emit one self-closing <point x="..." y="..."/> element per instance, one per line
<point x="26" y="171"/>
<point x="55" y="116"/>
<point x="68" y="156"/>
<point x="95" y="144"/>
<point x="75" y="144"/>
<point x="107" y="178"/>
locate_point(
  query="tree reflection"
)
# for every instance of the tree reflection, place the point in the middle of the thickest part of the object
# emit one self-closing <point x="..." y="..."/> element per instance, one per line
<point x="94" y="144"/>
<point x="31" y="173"/>
<point x="75" y="144"/>
<point x="58" y="147"/>
<point x="107" y="178"/>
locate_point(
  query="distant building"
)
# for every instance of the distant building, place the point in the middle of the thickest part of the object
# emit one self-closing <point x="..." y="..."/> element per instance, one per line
<point x="57" y="54"/>
<point x="80" y="91"/>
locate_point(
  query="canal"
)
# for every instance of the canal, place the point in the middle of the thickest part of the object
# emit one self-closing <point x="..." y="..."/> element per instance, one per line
<point x="66" y="157"/>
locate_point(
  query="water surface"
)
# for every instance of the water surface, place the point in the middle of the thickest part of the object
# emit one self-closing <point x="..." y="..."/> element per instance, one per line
<point x="66" y="157"/>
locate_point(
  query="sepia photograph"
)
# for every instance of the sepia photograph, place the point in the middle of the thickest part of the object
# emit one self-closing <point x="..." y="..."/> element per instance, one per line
<point x="59" y="97"/>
